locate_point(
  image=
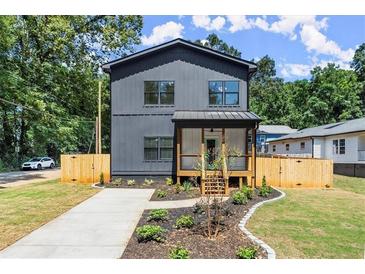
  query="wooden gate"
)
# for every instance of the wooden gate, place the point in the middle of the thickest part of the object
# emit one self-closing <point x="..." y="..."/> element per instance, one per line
<point x="85" y="168"/>
<point x="295" y="172"/>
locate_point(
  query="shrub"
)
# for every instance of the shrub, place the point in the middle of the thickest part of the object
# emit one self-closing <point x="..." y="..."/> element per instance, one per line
<point x="264" y="189"/>
<point x="169" y="181"/>
<point x="131" y="182"/>
<point x="118" y="181"/>
<point x="179" y="253"/>
<point x="198" y="208"/>
<point x="148" y="182"/>
<point x="187" y="186"/>
<point x="101" y="178"/>
<point x="247" y="191"/>
<point x="246" y="253"/>
<point x="177" y="188"/>
<point x="186" y="221"/>
<point x="147" y="233"/>
<point x="158" y="215"/>
<point x="239" y="198"/>
<point x="161" y="193"/>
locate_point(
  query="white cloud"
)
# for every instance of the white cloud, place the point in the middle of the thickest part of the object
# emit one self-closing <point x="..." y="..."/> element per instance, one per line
<point x="205" y="22"/>
<point x="239" y="22"/>
<point x="317" y="42"/>
<point x="296" y="70"/>
<point x="162" y="33"/>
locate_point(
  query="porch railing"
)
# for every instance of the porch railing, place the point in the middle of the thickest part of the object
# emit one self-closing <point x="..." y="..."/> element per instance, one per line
<point x="232" y="163"/>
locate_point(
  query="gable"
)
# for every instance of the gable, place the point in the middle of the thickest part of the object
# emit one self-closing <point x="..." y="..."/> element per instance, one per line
<point x="174" y="53"/>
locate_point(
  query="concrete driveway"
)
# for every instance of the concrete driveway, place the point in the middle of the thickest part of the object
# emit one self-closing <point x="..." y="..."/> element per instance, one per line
<point x="100" y="227"/>
<point x="16" y="178"/>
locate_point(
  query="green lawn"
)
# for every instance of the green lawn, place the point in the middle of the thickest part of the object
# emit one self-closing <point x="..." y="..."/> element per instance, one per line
<point x="25" y="208"/>
<point x="315" y="223"/>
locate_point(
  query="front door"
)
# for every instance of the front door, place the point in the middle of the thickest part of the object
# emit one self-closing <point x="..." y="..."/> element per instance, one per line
<point x="211" y="150"/>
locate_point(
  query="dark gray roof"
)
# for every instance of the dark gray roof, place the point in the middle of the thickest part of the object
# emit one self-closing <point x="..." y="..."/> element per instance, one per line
<point x="187" y="115"/>
<point x="251" y="65"/>
<point x="275" y="129"/>
<point x="355" y="125"/>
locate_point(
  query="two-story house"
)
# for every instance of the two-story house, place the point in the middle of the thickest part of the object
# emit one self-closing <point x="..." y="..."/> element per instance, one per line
<point x="175" y="102"/>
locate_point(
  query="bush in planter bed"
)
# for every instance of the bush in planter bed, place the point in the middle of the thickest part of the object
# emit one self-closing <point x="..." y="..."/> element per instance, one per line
<point x="147" y="233"/>
<point x="246" y="253"/>
<point x="158" y="215"/>
<point x="247" y="191"/>
<point x="239" y="198"/>
<point x="179" y="253"/>
<point x="264" y="190"/>
<point x="161" y="193"/>
<point x="186" y="221"/>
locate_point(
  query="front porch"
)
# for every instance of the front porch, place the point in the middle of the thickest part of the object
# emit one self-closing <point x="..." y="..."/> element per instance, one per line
<point x="202" y="140"/>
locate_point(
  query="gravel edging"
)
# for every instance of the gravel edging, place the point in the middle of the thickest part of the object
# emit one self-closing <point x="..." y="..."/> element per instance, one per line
<point x="270" y="252"/>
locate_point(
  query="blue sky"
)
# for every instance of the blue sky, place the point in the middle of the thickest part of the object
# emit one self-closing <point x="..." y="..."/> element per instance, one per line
<point x="297" y="43"/>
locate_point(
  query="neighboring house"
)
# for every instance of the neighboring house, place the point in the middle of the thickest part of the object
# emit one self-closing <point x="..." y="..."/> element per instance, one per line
<point x="173" y="102"/>
<point x="343" y="142"/>
<point x="267" y="133"/>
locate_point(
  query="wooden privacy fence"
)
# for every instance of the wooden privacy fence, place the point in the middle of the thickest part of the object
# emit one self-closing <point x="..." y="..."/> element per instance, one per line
<point x="295" y="172"/>
<point x="85" y="168"/>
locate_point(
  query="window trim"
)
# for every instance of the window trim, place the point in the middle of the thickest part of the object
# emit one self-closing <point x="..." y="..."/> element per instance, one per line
<point x="159" y="159"/>
<point x="224" y="94"/>
<point x="342" y="146"/>
<point x="158" y="94"/>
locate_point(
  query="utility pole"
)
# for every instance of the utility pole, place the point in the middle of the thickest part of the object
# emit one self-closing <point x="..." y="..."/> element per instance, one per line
<point x="96" y="135"/>
<point x="99" y="120"/>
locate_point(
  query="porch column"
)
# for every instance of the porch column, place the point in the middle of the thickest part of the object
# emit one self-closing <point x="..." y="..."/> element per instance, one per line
<point x="178" y="154"/>
<point x="224" y="159"/>
<point x="253" y="158"/>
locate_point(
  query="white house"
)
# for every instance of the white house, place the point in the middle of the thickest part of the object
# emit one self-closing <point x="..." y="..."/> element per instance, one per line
<point x="343" y="142"/>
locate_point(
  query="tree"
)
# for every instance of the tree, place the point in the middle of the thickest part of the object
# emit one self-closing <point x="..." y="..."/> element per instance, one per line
<point x="49" y="88"/>
<point x="213" y="42"/>
<point x="358" y="64"/>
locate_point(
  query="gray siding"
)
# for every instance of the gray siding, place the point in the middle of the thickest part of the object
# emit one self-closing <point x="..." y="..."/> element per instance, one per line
<point x="131" y="120"/>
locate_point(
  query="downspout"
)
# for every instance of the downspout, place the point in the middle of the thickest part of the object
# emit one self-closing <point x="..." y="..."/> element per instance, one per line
<point x="312" y="147"/>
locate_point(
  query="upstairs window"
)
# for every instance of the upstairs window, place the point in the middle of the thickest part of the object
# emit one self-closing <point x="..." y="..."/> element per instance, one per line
<point x="159" y="92"/>
<point x="223" y="93"/>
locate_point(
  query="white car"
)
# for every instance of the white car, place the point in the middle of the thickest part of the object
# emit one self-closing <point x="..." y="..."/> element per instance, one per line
<point x="39" y="163"/>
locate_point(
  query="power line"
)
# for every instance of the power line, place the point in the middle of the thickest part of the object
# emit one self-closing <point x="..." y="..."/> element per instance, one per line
<point x="43" y="112"/>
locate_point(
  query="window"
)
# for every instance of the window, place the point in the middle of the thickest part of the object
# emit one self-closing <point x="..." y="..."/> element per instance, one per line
<point x="342" y="146"/>
<point x="159" y="92"/>
<point x="273" y="148"/>
<point x="302" y="145"/>
<point x="158" y="148"/>
<point x="151" y="148"/>
<point x="223" y="93"/>
<point x="262" y="139"/>
<point x="166" y="148"/>
<point x="287" y="147"/>
<point x="335" y="146"/>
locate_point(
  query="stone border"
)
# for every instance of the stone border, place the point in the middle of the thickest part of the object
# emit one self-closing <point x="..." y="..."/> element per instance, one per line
<point x="270" y="252"/>
<point x="99" y="187"/>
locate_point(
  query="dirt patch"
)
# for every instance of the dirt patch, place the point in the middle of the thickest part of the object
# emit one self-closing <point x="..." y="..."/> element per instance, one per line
<point x="160" y="186"/>
<point x="199" y="246"/>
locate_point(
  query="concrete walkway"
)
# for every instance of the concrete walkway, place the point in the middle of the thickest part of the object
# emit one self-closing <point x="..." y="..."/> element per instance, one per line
<point x="100" y="227"/>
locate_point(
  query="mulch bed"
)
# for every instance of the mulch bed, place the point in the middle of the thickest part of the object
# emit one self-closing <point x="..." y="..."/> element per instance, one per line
<point x="199" y="246"/>
<point x="194" y="192"/>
